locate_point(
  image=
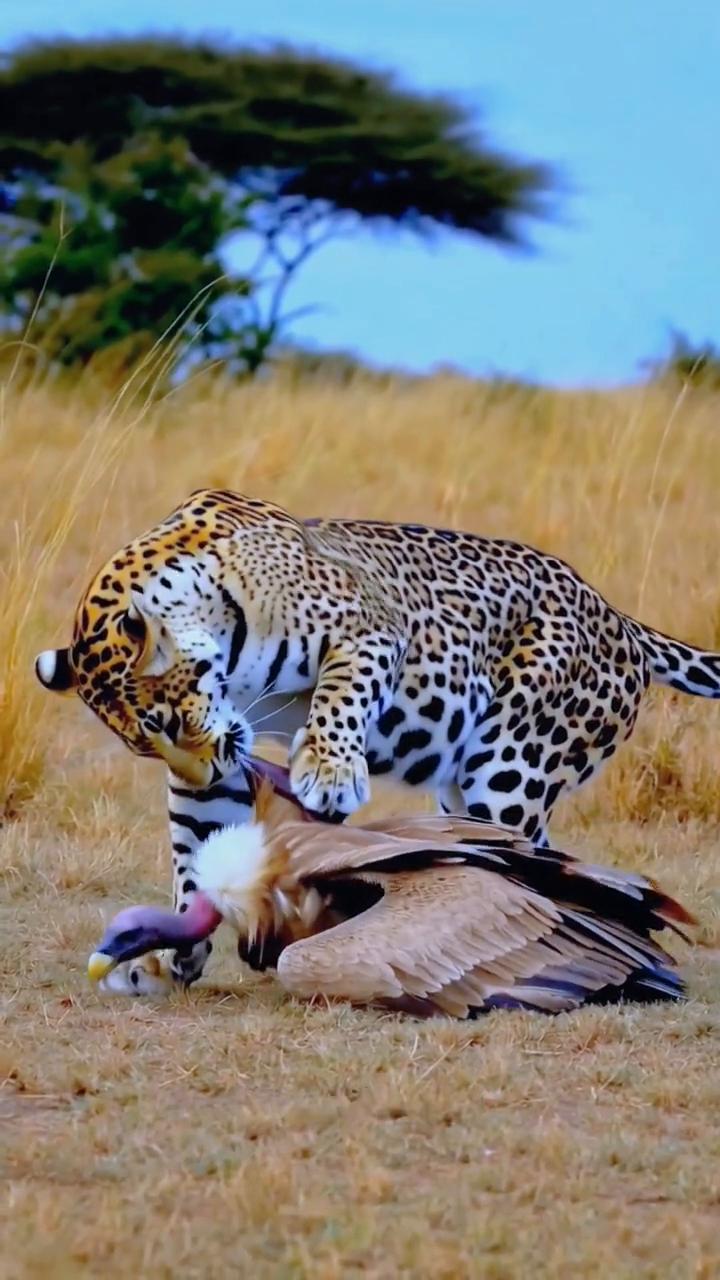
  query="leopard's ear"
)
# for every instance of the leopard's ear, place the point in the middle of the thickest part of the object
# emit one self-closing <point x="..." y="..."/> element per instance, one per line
<point x="53" y="670"/>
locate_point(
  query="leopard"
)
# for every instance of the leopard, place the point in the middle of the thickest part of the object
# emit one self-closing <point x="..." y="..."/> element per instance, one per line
<point x="482" y="669"/>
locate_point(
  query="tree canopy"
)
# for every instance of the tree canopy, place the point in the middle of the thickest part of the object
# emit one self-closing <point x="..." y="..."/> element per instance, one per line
<point x="127" y="166"/>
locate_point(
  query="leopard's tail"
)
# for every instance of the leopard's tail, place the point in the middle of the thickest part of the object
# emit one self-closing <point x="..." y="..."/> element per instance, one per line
<point x="681" y="666"/>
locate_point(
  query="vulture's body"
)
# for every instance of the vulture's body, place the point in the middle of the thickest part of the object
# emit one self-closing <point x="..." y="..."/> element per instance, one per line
<point x="428" y="914"/>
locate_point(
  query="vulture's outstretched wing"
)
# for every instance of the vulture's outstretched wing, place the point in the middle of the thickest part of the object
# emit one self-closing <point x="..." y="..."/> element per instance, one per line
<point x="317" y="849"/>
<point x="457" y="939"/>
<point x="545" y="870"/>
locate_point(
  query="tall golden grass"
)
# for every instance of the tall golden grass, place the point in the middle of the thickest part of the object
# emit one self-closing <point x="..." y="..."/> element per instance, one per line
<point x="622" y="484"/>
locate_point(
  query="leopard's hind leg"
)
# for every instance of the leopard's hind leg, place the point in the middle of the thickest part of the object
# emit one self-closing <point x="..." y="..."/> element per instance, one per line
<point x="565" y="698"/>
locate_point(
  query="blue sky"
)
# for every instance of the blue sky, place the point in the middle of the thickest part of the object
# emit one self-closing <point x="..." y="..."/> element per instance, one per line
<point x="622" y="95"/>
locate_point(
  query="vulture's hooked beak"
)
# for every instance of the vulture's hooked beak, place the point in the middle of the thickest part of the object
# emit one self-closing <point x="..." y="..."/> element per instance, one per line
<point x="100" y="965"/>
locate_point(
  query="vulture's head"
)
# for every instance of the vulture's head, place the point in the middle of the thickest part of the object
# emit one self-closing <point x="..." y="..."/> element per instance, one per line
<point x="235" y="870"/>
<point x="137" y="930"/>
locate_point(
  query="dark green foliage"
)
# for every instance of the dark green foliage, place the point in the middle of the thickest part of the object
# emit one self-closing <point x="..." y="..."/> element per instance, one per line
<point x="132" y="247"/>
<point x="159" y="150"/>
<point x="698" y="366"/>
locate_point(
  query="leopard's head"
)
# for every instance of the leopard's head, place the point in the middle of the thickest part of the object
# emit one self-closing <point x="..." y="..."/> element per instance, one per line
<point x="144" y="658"/>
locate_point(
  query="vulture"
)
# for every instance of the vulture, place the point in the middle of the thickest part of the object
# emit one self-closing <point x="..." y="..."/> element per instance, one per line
<point x="427" y="914"/>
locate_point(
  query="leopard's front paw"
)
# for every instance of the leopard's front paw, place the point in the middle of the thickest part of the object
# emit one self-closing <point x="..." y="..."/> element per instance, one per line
<point x="148" y="976"/>
<point x="324" y="781"/>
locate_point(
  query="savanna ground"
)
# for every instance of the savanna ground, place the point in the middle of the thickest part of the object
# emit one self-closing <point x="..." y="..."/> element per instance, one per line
<point x="229" y="1131"/>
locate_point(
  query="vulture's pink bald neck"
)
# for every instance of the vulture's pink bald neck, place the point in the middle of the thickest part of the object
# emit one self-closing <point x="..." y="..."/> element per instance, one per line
<point x="165" y="928"/>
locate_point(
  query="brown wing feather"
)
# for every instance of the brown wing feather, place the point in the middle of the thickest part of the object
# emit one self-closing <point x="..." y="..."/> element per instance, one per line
<point x="488" y="839"/>
<point x="451" y="829"/>
<point x="319" y="849"/>
<point x="456" y="938"/>
<point x="432" y="930"/>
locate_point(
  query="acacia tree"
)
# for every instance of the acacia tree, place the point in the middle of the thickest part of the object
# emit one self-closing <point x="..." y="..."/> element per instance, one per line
<point x="158" y="152"/>
<point x="111" y="253"/>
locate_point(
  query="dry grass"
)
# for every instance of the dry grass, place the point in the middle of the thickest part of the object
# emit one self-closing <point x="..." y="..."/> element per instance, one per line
<point x="231" y="1132"/>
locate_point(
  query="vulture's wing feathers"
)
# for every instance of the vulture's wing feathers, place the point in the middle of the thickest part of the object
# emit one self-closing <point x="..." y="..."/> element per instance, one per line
<point x="545" y="870"/>
<point x="456" y="938"/>
<point x="452" y="914"/>
<point x="451" y="829"/>
<point x="318" y="849"/>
